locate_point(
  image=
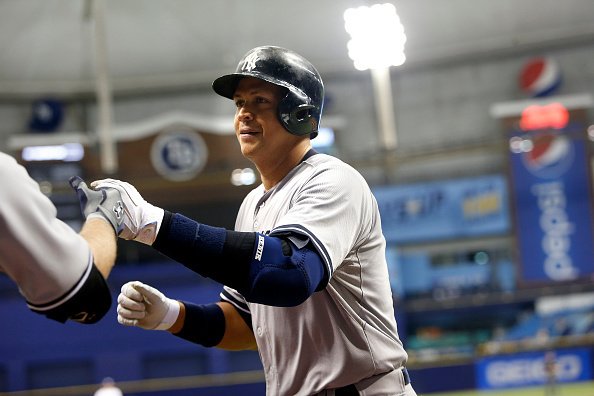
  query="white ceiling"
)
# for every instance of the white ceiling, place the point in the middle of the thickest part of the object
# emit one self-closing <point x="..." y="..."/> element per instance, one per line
<point x="47" y="45"/>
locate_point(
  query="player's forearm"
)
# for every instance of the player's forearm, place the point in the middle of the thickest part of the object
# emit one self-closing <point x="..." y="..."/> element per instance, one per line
<point x="238" y="335"/>
<point x="101" y="238"/>
<point x="213" y="325"/>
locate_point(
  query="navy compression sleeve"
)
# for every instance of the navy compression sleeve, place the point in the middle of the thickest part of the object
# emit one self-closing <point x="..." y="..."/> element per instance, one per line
<point x="264" y="269"/>
<point x="204" y="324"/>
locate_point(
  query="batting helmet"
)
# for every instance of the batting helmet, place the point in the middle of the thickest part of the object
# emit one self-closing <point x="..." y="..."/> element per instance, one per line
<point x="301" y="108"/>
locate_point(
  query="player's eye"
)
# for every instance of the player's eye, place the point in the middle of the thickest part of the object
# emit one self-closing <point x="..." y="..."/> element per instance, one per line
<point x="261" y="99"/>
<point x="239" y="103"/>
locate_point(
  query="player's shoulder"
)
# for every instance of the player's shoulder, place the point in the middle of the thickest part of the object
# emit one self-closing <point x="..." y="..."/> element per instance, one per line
<point x="7" y="164"/>
<point x="9" y="167"/>
<point x="334" y="167"/>
<point x="13" y="176"/>
<point x="6" y="158"/>
<point x="326" y="161"/>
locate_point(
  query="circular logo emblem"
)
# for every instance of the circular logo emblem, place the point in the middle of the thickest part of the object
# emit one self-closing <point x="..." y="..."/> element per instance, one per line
<point x="550" y="157"/>
<point x="47" y="115"/>
<point x="179" y="155"/>
<point x="540" y="77"/>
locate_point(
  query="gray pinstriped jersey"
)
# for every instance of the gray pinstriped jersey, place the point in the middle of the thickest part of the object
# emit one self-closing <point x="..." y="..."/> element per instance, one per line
<point x="46" y="258"/>
<point x="346" y="332"/>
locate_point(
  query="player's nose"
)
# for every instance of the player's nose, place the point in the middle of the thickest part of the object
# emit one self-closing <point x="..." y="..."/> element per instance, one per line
<point x="244" y="114"/>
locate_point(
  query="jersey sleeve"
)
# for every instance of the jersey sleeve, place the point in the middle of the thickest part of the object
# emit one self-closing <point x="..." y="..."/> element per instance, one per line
<point x="330" y="212"/>
<point x="87" y="302"/>
<point x="50" y="262"/>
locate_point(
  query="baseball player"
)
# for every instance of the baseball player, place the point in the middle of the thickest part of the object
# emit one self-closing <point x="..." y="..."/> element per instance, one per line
<point x="304" y="272"/>
<point x="60" y="273"/>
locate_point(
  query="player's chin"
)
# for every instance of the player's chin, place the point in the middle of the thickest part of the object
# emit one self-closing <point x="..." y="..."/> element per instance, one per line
<point x="249" y="147"/>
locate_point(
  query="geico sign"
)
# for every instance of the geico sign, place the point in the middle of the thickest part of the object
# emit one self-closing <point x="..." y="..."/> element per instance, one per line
<point x="530" y="371"/>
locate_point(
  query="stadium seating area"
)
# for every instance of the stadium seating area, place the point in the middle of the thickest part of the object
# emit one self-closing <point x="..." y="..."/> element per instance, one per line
<point x="532" y="331"/>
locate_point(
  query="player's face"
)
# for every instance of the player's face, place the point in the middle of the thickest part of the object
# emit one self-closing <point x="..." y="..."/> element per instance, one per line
<point x="258" y="129"/>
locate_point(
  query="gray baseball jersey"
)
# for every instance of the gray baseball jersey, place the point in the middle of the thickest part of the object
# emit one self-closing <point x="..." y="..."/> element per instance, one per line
<point x="51" y="263"/>
<point x="346" y="332"/>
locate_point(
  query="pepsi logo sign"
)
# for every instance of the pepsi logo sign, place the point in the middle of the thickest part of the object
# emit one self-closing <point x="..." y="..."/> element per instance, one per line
<point x="550" y="157"/>
<point x="540" y="77"/>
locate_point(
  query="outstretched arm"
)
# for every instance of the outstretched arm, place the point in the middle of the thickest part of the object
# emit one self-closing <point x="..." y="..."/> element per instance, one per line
<point x="265" y="269"/>
<point x="103" y="243"/>
<point x="104" y="213"/>
<point x="211" y="325"/>
<point x="51" y="264"/>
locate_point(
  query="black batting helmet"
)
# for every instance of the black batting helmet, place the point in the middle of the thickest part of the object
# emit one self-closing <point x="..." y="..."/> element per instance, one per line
<point x="301" y="108"/>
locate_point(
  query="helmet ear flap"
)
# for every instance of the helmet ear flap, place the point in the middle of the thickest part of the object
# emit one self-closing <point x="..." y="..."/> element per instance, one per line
<point x="298" y="119"/>
<point x="301" y="113"/>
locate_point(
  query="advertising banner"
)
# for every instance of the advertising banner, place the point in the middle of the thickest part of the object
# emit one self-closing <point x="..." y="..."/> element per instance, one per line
<point x="444" y="209"/>
<point x="534" y="369"/>
<point x="553" y="210"/>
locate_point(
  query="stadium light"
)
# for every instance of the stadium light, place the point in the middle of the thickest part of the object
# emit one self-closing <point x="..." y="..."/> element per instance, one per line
<point x="377" y="36"/>
<point x="377" y="42"/>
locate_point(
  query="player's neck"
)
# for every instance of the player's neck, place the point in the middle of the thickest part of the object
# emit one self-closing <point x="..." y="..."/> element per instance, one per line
<point x="272" y="173"/>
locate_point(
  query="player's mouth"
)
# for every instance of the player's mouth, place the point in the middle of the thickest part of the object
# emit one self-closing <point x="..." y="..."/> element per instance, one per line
<point x="248" y="131"/>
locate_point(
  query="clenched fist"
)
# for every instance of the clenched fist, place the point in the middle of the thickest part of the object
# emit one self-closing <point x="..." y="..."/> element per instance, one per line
<point x="146" y="307"/>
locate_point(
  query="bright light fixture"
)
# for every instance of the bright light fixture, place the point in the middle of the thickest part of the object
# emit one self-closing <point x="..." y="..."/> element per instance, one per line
<point x="243" y="177"/>
<point x="377" y="36"/>
<point x="65" y="152"/>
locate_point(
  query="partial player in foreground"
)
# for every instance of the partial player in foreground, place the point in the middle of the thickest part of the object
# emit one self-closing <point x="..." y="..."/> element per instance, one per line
<point x="304" y="272"/>
<point x="60" y="273"/>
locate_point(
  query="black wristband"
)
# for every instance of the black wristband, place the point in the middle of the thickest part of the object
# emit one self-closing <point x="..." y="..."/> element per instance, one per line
<point x="164" y="230"/>
<point x="204" y="324"/>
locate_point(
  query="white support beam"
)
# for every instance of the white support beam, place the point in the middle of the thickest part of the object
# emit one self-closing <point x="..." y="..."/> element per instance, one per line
<point x="108" y="148"/>
<point x="384" y="104"/>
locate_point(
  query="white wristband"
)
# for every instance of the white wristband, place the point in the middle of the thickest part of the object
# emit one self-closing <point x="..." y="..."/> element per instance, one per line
<point x="170" y="316"/>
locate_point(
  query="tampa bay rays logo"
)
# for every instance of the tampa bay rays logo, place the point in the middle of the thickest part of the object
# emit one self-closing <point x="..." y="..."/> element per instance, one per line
<point x="249" y="63"/>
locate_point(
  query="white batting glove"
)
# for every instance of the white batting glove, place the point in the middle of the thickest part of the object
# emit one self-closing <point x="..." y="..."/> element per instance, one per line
<point x="142" y="220"/>
<point x="146" y="307"/>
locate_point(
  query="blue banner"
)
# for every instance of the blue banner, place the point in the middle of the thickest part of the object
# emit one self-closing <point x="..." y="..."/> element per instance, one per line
<point x="553" y="209"/>
<point x="444" y="209"/>
<point x="534" y="369"/>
